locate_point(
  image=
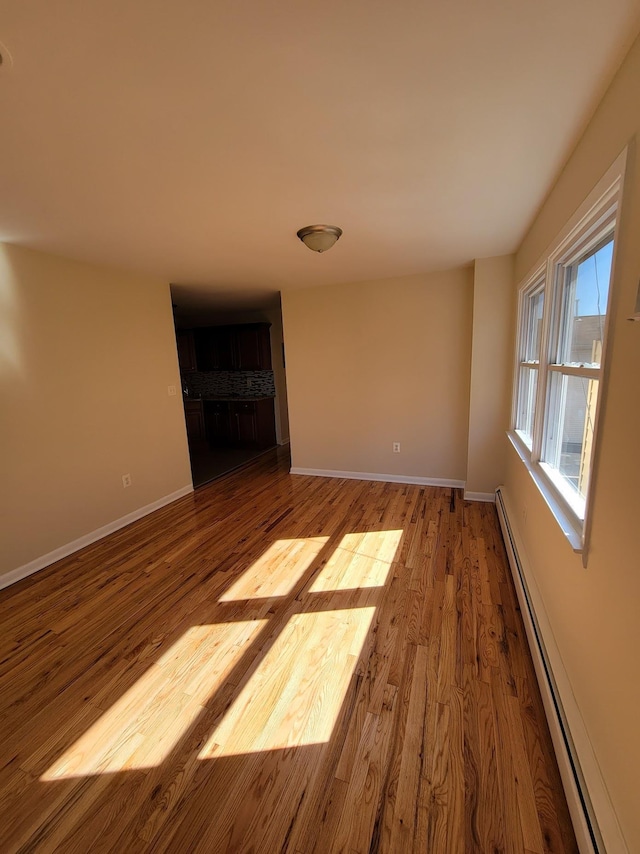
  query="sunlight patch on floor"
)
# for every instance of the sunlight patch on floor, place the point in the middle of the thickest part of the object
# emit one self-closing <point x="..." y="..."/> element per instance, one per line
<point x="295" y="696"/>
<point x="277" y="571"/>
<point x="381" y="545"/>
<point x="361" y="560"/>
<point x="145" y="723"/>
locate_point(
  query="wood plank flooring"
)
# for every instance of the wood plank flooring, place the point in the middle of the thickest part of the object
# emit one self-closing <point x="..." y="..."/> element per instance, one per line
<point x="278" y="663"/>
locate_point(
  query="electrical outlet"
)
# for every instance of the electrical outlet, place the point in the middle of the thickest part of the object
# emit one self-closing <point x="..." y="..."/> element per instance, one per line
<point x="396" y="447"/>
<point x="126" y="480"/>
<point x="171" y="391"/>
<point x="524" y="515"/>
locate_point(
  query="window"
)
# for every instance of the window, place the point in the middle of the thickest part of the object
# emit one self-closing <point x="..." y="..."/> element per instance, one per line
<point x="531" y="319"/>
<point x="561" y="343"/>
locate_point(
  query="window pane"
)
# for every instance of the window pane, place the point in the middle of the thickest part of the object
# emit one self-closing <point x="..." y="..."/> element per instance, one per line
<point x="527" y="386"/>
<point x="584" y="308"/>
<point x="569" y="434"/>
<point x="531" y="342"/>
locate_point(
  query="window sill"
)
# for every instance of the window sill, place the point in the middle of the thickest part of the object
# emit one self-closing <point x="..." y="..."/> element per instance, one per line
<point x="571" y="528"/>
<point x="568" y="495"/>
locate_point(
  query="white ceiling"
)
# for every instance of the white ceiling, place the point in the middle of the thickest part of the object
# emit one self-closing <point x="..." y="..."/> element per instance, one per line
<point x="191" y="139"/>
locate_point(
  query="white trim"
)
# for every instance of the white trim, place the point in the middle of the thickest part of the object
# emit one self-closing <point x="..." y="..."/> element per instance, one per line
<point x="571" y="526"/>
<point x="39" y="563"/>
<point x="535" y="282"/>
<point x="576" y="371"/>
<point x="595" y="218"/>
<point x="480" y="496"/>
<point x="387" y="478"/>
<point x="586" y="786"/>
<point x="567" y="493"/>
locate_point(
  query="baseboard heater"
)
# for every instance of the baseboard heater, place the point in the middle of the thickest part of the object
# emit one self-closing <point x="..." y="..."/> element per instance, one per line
<point x="586" y="827"/>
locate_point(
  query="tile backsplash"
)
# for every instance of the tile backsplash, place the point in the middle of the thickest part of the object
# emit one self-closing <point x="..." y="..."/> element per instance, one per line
<point x="229" y="383"/>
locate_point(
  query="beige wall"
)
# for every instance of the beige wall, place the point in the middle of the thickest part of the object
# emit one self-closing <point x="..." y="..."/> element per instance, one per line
<point x="379" y="362"/>
<point x="595" y="611"/>
<point x="87" y="355"/>
<point x="491" y="372"/>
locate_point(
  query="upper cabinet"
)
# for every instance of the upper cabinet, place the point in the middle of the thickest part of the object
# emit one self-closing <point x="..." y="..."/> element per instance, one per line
<point x="253" y="347"/>
<point x="245" y="347"/>
<point x="186" y="350"/>
<point x="214" y="348"/>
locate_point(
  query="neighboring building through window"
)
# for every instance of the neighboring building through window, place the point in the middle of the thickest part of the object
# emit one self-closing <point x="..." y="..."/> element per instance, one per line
<point x="562" y="320"/>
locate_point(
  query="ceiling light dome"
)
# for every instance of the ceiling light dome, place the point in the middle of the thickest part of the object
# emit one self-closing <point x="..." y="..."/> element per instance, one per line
<point x="319" y="237"/>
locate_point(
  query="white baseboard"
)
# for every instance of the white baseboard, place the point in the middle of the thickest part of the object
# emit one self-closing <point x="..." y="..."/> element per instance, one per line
<point x="480" y="496"/>
<point x="39" y="563"/>
<point x="594" y="819"/>
<point x="387" y="478"/>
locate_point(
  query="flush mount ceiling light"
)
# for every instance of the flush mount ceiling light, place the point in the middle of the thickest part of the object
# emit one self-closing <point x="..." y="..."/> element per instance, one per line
<point x="319" y="237"/>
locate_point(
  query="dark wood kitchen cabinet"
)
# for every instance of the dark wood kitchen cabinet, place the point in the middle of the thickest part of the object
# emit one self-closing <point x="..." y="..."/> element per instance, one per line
<point x="215" y="348"/>
<point x="217" y="422"/>
<point x="266" y="422"/>
<point x="253" y="347"/>
<point x="254" y="422"/>
<point x="186" y="350"/>
<point x="194" y="418"/>
<point x="245" y="347"/>
<point x="240" y="423"/>
<point x="244" y="424"/>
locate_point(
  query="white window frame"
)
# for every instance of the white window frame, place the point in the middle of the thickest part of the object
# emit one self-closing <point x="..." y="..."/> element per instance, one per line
<point x="534" y="285"/>
<point x="595" y="221"/>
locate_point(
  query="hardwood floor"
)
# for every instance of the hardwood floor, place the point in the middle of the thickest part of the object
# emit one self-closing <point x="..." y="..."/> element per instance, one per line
<point x="278" y="664"/>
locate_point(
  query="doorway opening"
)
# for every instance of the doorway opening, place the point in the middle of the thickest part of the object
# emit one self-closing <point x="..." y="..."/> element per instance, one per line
<point x="233" y="385"/>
